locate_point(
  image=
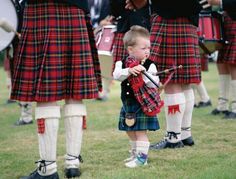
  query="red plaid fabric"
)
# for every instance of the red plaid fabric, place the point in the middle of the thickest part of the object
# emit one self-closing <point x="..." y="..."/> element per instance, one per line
<point x="56" y="56"/>
<point x="148" y="98"/>
<point x="228" y="53"/>
<point x="175" y="42"/>
<point x="119" y="51"/>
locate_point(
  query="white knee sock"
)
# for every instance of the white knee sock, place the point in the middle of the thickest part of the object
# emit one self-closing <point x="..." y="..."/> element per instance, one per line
<point x="201" y="89"/>
<point x="187" y="117"/>
<point x="174" y="111"/>
<point x="224" y="85"/>
<point x="48" y="123"/>
<point x="233" y="87"/>
<point x="74" y="114"/>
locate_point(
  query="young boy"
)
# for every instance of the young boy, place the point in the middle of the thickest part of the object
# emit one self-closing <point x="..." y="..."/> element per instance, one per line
<point x="138" y="113"/>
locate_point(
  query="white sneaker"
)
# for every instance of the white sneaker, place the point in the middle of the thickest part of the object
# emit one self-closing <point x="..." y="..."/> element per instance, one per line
<point x="135" y="163"/>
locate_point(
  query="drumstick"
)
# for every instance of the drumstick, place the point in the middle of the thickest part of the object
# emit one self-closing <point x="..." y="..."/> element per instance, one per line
<point x="169" y="70"/>
<point x="204" y="6"/>
<point x="7" y="27"/>
<point x="150" y="78"/>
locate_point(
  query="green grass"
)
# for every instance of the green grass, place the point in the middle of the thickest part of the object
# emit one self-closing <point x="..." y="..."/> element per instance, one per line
<point x="104" y="147"/>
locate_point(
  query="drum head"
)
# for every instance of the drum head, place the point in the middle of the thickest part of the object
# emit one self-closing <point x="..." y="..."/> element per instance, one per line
<point x="8" y="14"/>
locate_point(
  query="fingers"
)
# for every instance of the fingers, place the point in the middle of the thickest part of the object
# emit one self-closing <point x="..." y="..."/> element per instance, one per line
<point x="129" y="5"/>
<point x="136" y="70"/>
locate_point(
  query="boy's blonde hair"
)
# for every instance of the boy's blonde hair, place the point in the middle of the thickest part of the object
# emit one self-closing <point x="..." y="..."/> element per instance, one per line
<point x="130" y="38"/>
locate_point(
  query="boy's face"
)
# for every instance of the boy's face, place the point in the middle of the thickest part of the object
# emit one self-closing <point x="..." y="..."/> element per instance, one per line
<point x="141" y="50"/>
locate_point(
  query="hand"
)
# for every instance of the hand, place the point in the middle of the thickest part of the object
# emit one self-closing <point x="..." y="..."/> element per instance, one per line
<point x="214" y="2"/>
<point x="136" y="70"/>
<point x="106" y="21"/>
<point x="133" y="4"/>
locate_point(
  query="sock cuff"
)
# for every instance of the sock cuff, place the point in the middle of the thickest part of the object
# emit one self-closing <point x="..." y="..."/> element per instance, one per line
<point x="75" y="110"/>
<point x="47" y="112"/>
<point x="174" y="99"/>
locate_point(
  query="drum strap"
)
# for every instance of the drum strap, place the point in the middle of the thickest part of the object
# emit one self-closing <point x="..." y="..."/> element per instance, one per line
<point x="204" y="48"/>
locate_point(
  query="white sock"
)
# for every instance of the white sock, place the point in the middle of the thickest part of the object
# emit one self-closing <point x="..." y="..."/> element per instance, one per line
<point x="26" y="111"/>
<point x="201" y="89"/>
<point x="48" y="123"/>
<point x="233" y="95"/>
<point x="224" y="85"/>
<point x="174" y="111"/>
<point x="187" y="117"/>
<point x="74" y="114"/>
<point x="142" y="148"/>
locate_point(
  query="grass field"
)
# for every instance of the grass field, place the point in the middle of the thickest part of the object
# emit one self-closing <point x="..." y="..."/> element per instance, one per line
<point x="104" y="147"/>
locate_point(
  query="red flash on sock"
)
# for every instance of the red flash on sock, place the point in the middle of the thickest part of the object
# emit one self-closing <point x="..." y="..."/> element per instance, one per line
<point x="173" y="109"/>
<point x="41" y="125"/>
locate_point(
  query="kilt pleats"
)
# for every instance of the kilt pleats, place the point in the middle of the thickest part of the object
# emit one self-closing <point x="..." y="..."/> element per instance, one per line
<point x="228" y="53"/>
<point x="174" y="42"/>
<point x="56" y="58"/>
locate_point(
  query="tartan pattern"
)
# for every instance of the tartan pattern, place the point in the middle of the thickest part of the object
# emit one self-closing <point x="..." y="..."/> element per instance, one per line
<point x="119" y="51"/>
<point x="175" y="42"/>
<point x="228" y="53"/>
<point x="54" y="58"/>
<point x="143" y="122"/>
<point x="148" y="98"/>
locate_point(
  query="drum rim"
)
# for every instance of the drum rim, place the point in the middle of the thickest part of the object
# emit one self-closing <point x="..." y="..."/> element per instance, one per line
<point x="13" y="34"/>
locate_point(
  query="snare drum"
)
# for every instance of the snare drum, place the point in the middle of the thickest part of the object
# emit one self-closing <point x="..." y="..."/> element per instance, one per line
<point x="104" y="41"/>
<point x="7" y="14"/>
<point x="210" y="31"/>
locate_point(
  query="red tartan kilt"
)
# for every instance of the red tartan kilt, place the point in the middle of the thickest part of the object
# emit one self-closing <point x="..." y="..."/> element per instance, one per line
<point x="175" y="42"/>
<point x="119" y="51"/>
<point x="228" y="53"/>
<point x="55" y="59"/>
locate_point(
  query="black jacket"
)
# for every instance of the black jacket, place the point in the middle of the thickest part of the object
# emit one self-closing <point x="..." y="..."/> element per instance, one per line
<point x="127" y="18"/>
<point x="177" y="8"/>
<point x="230" y="7"/>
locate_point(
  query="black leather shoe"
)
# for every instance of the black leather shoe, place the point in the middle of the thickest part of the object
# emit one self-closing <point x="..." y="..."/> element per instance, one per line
<point x="22" y="123"/>
<point x="72" y="172"/>
<point x="218" y="112"/>
<point x="230" y="115"/>
<point x="204" y="104"/>
<point x="188" y="141"/>
<point x="35" y="175"/>
<point x="165" y="144"/>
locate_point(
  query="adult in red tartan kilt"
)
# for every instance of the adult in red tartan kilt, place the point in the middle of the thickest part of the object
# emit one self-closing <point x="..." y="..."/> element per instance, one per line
<point x="57" y="60"/>
<point x="175" y="42"/>
<point x="226" y="65"/>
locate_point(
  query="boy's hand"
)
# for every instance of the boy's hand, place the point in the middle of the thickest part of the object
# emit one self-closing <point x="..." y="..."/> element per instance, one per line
<point x="136" y="70"/>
